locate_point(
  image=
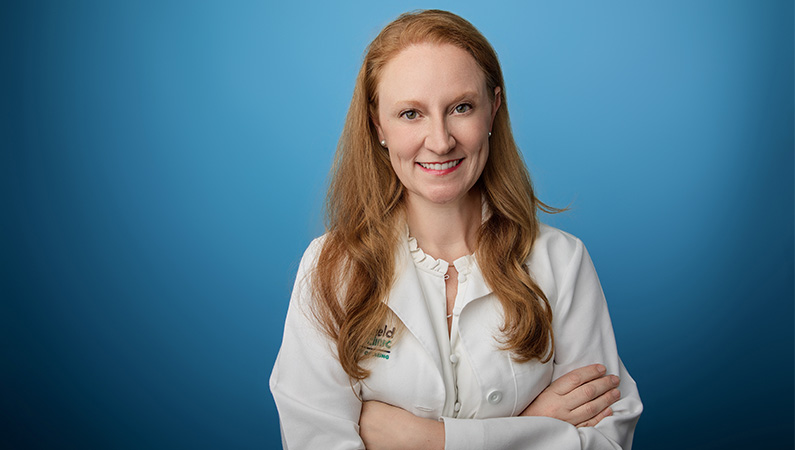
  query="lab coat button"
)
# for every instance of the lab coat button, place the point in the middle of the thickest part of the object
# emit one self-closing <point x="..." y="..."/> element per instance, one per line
<point x="453" y="358"/>
<point x="494" y="397"/>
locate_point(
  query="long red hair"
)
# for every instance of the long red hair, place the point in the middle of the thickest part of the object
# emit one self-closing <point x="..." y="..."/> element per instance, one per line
<point x="356" y="265"/>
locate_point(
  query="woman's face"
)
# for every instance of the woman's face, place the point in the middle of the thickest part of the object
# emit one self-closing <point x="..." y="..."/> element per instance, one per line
<point x="435" y="114"/>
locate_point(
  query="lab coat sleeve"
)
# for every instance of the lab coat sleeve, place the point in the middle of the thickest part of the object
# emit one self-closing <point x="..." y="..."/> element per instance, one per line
<point x="583" y="336"/>
<point x="318" y="407"/>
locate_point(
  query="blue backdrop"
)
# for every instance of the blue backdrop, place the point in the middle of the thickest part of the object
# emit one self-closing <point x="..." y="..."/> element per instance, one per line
<point x="163" y="167"/>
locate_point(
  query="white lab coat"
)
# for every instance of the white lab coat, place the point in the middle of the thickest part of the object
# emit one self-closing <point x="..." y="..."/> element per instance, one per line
<point x="319" y="407"/>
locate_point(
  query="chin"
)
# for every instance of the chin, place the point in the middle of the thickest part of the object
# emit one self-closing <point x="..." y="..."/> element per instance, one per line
<point x="444" y="196"/>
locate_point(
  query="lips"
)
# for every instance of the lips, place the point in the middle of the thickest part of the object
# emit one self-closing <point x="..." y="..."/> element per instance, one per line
<point x="441" y="166"/>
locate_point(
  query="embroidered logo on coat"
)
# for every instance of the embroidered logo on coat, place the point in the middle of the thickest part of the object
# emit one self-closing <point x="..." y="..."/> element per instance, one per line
<point x="380" y="345"/>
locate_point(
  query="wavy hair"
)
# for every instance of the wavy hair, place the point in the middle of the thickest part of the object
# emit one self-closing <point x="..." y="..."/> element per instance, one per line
<point x="365" y="210"/>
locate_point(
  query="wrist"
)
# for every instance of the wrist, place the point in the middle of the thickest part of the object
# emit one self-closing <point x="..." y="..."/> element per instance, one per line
<point x="428" y="434"/>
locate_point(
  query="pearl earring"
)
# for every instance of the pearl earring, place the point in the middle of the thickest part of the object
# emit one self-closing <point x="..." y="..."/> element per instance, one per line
<point x="489" y="133"/>
<point x="383" y="144"/>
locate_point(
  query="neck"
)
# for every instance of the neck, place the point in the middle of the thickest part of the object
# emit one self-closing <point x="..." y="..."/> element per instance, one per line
<point x="447" y="231"/>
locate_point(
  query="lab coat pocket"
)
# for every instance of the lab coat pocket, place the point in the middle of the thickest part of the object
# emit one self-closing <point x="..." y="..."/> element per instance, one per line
<point x="402" y="374"/>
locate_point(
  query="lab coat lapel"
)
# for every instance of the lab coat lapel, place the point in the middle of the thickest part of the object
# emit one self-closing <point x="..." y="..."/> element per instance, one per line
<point x="407" y="301"/>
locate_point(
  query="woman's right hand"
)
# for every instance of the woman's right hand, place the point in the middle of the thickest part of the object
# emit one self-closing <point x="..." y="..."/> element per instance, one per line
<point x="582" y="397"/>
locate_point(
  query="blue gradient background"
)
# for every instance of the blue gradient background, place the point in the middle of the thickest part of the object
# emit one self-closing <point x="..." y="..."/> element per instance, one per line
<point x="163" y="167"/>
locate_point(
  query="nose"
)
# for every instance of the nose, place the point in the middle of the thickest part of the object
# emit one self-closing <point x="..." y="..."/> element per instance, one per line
<point x="439" y="140"/>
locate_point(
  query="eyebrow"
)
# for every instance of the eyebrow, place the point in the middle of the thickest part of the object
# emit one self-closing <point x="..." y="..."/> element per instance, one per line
<point x="417" y="103"/>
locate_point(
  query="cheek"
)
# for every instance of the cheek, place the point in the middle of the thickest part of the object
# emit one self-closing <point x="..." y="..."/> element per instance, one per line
<point x="403" y="146"/>
<point x="480" y="162"/>
<point x="473" y="132"/>
<point x="484" y="153"/>
<point x="400" y="162"/>
<point x="397" y="153"/>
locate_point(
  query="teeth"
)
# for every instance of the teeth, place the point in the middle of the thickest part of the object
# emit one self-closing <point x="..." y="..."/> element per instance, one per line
<point x="444" y="166"/>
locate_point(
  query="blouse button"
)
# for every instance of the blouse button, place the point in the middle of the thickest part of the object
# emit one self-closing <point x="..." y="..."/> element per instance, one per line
<point x="454" y="358"/>
<point x="462" y="277"/>
<point x="457" y="406"/>
<point x="494" y="397"/>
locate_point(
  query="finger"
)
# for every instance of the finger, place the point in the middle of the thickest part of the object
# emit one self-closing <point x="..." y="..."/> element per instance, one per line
<point x="577" y="378"/>
<point x="592" y="422"/>
<point x="594" y="408"/>
<point x="591" y="390"/>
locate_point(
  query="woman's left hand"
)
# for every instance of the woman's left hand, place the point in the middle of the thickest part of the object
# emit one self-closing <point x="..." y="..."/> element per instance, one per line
<point x="386" y="427"/>
<point x="582" y="397"/>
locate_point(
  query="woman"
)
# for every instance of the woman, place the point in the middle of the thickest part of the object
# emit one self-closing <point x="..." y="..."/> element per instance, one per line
<point x="436" y="307"/>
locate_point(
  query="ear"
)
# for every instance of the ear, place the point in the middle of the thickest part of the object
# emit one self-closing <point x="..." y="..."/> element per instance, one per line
<point x="374" y="118"/>
<point x="497" y="102"/>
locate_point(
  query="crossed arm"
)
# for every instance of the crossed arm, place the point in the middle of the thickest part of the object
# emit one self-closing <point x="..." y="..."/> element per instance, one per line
<point x="577" y="411"/>
<point x="581" y="398"/>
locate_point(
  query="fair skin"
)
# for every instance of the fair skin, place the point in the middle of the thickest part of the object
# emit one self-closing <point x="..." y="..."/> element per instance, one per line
<point x="434" y="108"/>
<point x="435" y="113"/>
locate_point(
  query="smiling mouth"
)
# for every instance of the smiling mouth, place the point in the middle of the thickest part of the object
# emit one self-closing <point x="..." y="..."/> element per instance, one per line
<point x="441" y="166"/>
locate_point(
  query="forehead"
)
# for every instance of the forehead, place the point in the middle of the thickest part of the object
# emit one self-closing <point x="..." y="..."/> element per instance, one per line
<point x="423" y="71"/>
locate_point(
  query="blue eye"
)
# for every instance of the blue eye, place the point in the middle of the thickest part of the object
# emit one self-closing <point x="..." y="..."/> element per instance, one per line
<point x="462" y="108"/>
<point x="410" y="114"/>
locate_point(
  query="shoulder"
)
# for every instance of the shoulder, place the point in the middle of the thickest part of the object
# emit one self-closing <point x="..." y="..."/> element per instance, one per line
<point x="555" y="247"/>
<point x="311" y="254"/>
<point x="306" y="268"/>
<point x="559" y="263"/>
